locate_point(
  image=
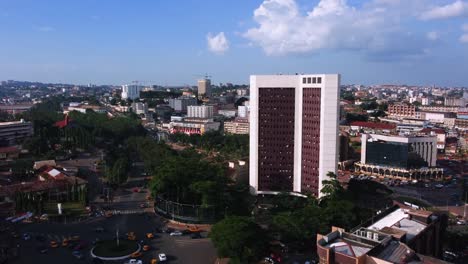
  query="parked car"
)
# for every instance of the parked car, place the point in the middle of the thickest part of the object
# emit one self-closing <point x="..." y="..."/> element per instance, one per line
<point x="40" y="238"/>
<point x="195" y="235"/>
<point x="99" y="229"/>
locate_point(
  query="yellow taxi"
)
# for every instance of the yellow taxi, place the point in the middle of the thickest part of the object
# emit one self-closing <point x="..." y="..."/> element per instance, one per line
<point x="136" y="255"/>
<point x="65" y="242"/>
<point x="53" y="244"/>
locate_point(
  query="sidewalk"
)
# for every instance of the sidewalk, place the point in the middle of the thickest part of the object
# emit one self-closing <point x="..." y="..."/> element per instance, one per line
<point x="178" y="225"/>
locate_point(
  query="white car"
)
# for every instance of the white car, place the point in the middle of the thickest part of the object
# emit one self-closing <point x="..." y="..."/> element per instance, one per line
<point x="134" y="261"/>
<point x="175" y="233"/>
<point x="162" y="257"/>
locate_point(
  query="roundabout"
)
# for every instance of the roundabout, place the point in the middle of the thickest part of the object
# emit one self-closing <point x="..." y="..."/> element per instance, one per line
<point x="109" y="250"/>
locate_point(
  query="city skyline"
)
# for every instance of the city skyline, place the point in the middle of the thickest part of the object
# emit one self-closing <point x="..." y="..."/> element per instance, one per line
<point x="418" y="42"/>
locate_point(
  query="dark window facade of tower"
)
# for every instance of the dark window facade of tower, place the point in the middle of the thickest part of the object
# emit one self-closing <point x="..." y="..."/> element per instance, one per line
<point x="276" y="139"/>
<point x="310" y="140"/>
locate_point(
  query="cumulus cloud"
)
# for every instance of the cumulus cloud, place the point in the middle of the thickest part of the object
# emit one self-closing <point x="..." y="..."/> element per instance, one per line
<point x="464" y="38"/>
<point x="465" y="27"/>
<point x="433" y="35"/>
<point x="455" y="9"/>
<point x="375" y="27"/>
<point x="217" y="44"/>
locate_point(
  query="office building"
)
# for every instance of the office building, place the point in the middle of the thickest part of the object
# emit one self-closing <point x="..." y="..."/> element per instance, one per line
<point x="180" y="104"/>
<point x="238" y="126"/>
<point x="293" y="132"/>
<point x="411" y="157"/>
<point x="11" y="133"/>
<point x="243" y="111"/>
<point x="458" y="102"/>
<point x="140" y="108"/>
<point x="426" y="101"/>
<point x="200" y="111"/>
<point x="401" y="110"/>
<point x="131" y="91"/>
<point x="204" y="88"/>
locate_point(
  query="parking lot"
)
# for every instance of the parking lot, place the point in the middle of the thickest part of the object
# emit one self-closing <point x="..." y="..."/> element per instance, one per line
<point x="179" y="249"/>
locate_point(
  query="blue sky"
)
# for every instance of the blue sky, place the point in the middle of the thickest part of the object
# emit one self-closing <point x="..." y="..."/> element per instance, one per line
<point x="173" y="42"/>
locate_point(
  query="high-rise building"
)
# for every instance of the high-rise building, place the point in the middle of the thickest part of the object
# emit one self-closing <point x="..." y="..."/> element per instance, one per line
<point x="200" y="111"/>
<point x="293" y="132"/>
<point x="204" y="88"/>
<point x="131" y="91"/>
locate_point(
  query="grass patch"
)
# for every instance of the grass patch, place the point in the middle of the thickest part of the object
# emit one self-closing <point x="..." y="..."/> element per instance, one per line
<point x="68" y="209"/>
<point x="109" y="248"/>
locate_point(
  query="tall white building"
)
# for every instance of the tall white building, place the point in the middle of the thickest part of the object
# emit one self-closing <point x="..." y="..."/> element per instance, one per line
<point x="131" y="91"/>
<point x="200" y="111"/>
<point x="293" y="132"/>
<point x="243" y="111"/>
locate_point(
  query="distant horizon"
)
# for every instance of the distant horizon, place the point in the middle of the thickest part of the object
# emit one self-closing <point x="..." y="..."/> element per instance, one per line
<point x="217" y="84"/>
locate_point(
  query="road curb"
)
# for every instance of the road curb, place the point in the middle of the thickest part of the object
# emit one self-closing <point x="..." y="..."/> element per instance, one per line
<point x="115" y="258"/>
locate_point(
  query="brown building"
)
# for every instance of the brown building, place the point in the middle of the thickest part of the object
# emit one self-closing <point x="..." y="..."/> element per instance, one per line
<point x="396" y="236"/>
<point x="461" y="123"/>
<point x="237" y="126"/>
<point x="402" y="110"/>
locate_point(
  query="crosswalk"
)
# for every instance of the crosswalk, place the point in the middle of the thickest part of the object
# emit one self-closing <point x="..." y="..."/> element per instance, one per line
<point x="188" y="242"/>
<point x="128" y="212"/>
<point x="51" y="237"/>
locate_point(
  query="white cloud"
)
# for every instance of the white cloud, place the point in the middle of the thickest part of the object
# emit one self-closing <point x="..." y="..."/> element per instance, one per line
<point x="45" y="29"/>
<point x="433" y="35"/>
<point x="464" y="38"/>
<point x="375" y="27"/>
<point x="217" y="43"/>
<point x="455" y="9"/>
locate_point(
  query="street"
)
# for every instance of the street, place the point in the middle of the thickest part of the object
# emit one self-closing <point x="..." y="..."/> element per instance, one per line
<point x="181" y="249"/>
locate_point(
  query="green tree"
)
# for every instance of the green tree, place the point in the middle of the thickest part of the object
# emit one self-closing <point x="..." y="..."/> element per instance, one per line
<point x="239" y="238"/>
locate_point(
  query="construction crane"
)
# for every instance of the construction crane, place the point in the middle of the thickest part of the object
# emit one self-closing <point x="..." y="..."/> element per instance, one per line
<point x="206" y="76"/>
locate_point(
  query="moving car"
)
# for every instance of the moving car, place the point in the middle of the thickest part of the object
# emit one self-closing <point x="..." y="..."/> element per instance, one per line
<point x="26" y="236"/>
<point x="149" y="235"/>
<point x="77" y="254"/>
<point x="162" y="257"/>
<point x="134" y="261"/>
<point x="176" y="233"/>
<point x="146" y="247"/>
<point x="42" y="249"/>
<point x="136" y="255"/>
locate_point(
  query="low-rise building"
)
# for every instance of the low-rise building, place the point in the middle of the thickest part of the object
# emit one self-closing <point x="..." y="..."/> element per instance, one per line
<point x="238" y="126"/>
<point x="397" y="235"/>
<point x="373" y="127"/>
<point x="401" y="110"/>
<point x="193" y="126"/>
<point x="13" y="132"/>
